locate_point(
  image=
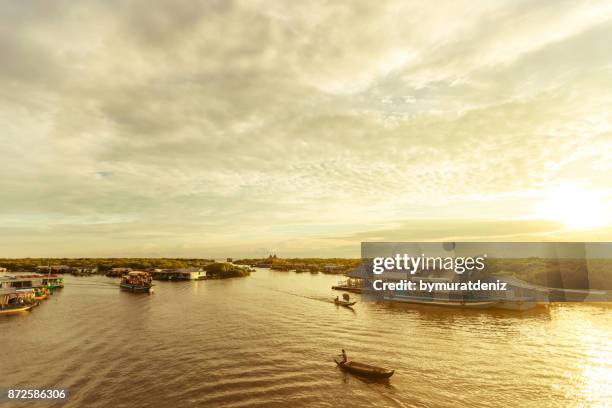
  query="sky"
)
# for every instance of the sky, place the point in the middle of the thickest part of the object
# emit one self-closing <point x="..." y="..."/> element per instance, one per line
<point x="239" y="128"/>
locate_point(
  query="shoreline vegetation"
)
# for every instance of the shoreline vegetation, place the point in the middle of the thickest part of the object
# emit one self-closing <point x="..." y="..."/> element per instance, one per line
<point x="335" y="266"/>
<point x="116" y="267"/>
<point x="224" y="270"/>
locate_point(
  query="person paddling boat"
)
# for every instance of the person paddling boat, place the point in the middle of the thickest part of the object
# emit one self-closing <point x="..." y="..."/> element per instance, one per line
<point x="361" y="369"/>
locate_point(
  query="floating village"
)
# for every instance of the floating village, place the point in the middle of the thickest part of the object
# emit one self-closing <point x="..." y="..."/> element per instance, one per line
<point x="21" y="292"/>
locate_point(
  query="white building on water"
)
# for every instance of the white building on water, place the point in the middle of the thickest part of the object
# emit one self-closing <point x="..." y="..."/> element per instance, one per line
<point x="179" y="274"/>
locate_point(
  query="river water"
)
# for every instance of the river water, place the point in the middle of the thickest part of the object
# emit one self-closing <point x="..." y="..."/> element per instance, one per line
<point x="269" y="339"/>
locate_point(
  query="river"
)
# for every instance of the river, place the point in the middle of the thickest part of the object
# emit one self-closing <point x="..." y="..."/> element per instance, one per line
<point x="268" y="340"/>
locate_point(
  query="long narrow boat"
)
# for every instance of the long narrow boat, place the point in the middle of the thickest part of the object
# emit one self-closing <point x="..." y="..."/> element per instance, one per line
<point x="364" y="370"/>
<point x="16" y="309"/>
<point x="344" y="303"/>
<point x="12" y="302"/>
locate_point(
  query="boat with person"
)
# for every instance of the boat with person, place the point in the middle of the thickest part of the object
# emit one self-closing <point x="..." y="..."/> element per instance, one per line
<point x="345" y="301"/>
<point x="362" y="369"/>
<point x="137" y="281"/>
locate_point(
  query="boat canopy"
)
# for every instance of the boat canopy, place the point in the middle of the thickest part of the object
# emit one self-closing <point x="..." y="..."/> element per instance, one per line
<point x="138" y="273"/>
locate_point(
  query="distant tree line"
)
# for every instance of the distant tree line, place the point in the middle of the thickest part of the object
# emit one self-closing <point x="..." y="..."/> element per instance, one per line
<point x="226" y="270"/>
<point x="568" y="273"/>
<point x="103" y="264"/>
<point x="325" y="265"/>
<point x="556" y="272"/>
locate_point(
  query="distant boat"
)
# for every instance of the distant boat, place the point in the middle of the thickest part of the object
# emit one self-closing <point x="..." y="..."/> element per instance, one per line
<point x="344" y="303"/>
<point x="137" y="281"/>
<point x="364" y="370"/>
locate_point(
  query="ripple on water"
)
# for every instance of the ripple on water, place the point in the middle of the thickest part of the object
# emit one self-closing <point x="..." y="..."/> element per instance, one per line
<point x="268" y="340"/>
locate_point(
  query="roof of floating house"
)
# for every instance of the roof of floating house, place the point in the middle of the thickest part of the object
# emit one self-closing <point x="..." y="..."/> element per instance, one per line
<point x="21" y="278"/>
<point x="358" y="272"/>
<point x="138" y="273"/>
<point x="189" y="270"/>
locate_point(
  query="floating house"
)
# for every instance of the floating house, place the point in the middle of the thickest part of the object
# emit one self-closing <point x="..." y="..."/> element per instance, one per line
<point x="25" y="286"/>
<point x="516" y="295"/>
<point x="53" y="268"/>
<point x="179" y="274"/>
<point x="331" y="268"/>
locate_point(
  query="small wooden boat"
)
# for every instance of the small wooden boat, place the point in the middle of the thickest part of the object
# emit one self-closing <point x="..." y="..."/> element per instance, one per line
<point x="344" y="303"/>
<point x="364" y="370"/>
<point x="12" y="302"/>
<point x="16" y="309"/>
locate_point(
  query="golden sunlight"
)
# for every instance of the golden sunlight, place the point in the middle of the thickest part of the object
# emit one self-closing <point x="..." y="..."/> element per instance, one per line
<point x="575" y="207"/>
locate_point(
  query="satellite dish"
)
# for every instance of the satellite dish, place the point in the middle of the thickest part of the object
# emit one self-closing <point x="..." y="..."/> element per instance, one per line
<point x="448" y="246"/>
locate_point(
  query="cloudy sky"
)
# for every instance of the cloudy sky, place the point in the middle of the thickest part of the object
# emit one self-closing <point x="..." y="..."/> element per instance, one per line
<point x="234" y="128"/>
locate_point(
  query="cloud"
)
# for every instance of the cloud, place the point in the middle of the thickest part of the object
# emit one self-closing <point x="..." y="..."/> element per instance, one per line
<point x="251" y="124"/>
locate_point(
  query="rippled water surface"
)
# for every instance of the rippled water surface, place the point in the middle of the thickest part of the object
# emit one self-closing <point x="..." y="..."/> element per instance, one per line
<point x="269" y="340"/>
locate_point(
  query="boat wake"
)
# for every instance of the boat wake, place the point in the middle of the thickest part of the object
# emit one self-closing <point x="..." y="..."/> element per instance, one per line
<point x="318" y="298"/>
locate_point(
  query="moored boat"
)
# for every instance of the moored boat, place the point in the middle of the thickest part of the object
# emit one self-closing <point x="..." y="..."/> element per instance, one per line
<point x="12" y="302"/>
<point x="26" y="285"/>
<point x="137" y="281"/>
<point x="15" y="309"/>
<point x="364" y="370"/>
<point x="53" y="281"/>
<point x="41" y="293"/>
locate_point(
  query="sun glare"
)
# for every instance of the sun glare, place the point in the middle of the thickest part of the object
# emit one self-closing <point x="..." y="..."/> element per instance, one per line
<point x="575" y="207"/>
